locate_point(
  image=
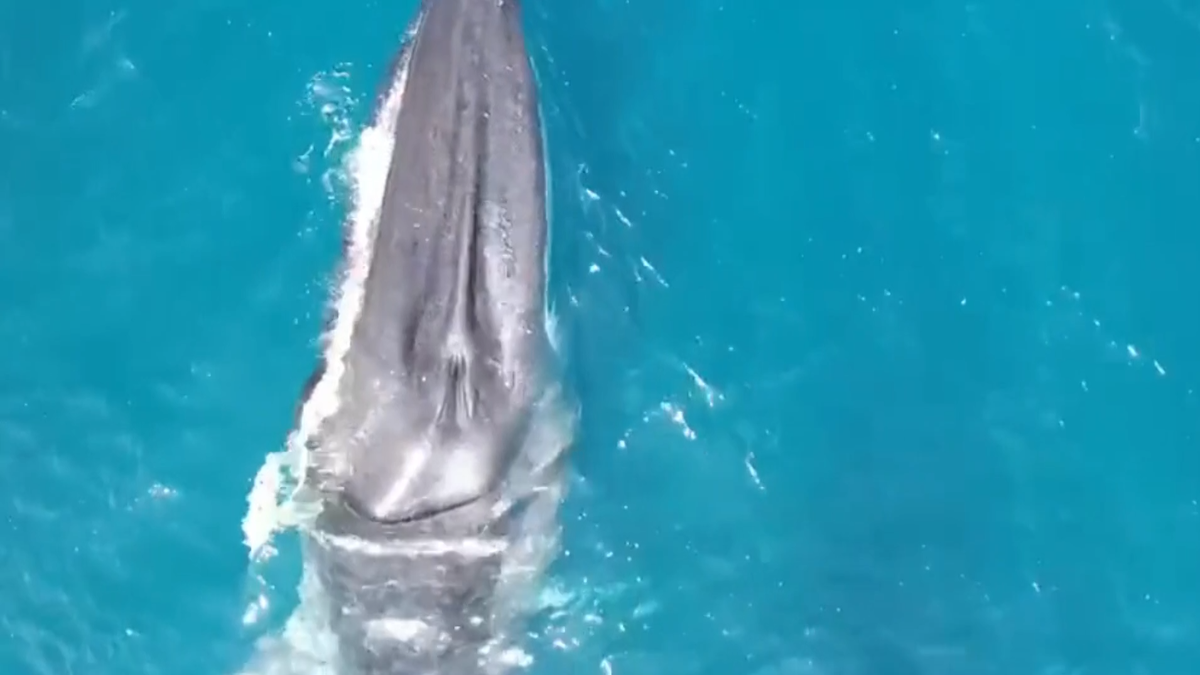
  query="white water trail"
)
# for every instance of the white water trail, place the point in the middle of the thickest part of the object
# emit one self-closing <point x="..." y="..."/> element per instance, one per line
<point x="305" y="645"/>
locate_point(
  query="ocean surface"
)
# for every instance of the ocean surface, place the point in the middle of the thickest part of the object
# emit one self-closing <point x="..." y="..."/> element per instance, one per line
<point x="884" y="318"/>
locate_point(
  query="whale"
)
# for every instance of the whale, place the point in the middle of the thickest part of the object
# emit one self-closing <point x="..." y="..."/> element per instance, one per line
<point x="438" y="470"/>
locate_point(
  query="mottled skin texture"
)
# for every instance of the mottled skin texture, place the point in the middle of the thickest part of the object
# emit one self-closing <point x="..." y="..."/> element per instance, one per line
<point x="448" y="355"/>
<point x="449" y="346"/>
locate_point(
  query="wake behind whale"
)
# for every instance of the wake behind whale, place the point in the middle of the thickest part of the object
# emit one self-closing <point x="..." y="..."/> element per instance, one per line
<point x="428" y="456"/>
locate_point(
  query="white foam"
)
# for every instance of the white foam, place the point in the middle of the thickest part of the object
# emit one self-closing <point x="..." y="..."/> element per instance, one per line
<point x="305" y="644"/>
<point x="471" y="547"/>
<point x="270" y="501"/>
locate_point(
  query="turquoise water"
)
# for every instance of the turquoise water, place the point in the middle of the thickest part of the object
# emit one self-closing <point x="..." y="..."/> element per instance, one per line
<point x="883" y="318"/>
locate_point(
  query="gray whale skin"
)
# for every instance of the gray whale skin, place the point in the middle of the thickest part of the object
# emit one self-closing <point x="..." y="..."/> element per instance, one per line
<point x="439" y="473"/>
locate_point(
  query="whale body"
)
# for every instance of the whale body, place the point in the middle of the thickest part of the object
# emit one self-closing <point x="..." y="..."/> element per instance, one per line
<point x="436" y="483"/>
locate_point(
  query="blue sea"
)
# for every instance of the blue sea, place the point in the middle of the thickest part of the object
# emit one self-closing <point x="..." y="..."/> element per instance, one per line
<point x="884" y="318"/>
